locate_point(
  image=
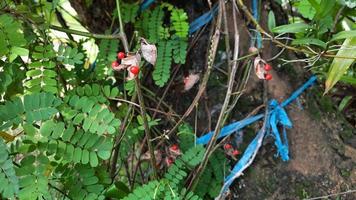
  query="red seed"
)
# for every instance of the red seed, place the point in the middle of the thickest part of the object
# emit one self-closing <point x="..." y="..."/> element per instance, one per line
<point x="227" y="146"/>
<point x="114" y="64"/>
<point x="174" y="147"/>
<point x="120" y="55"/>
<point x="268" y="77"/>
<point x="135" y="70"/>
<point x="236" y="152"/>
<point x="169" y="160"/>
<point x="268" y="67"/>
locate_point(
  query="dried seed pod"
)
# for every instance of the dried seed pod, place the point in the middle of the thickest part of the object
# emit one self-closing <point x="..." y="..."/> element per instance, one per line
<point x="149" y="51"/>
<point x="190" y="81"/>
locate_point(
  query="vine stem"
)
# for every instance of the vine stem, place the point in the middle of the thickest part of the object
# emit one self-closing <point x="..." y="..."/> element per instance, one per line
<point x="118" y="137"/>
<point x="122" y="32"/>
<point x="140" y="97"/>
<point x="146" y="127"/>
<point x="87" y="34"/>
<point x="214" y="45"/>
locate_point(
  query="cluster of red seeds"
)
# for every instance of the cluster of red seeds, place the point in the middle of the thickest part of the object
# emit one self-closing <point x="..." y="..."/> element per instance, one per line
<point x="170" y="159"/>
<point x="229" y="149"/>
<point x="268" y="68"/>
<point x="121" y="55"/>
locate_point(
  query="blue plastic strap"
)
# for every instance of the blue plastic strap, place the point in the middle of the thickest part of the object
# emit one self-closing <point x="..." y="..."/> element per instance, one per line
<point x="276" y="115"/>
<point x="299" y="91"/>
<point x="145" y="4"/>
<point x="279" y="116"/>
<point x="229" y="129"/>
<point x="202" y="20"/>
<point x="257" y="34"/>
<point x="245" y="160"/>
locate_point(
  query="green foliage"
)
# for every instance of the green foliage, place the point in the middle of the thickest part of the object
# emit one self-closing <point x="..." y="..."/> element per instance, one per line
<point x="306" y="9"/>
<point x="179" y="50"/>
<point x="155" y="24"/>
<point x="339" y="65"/>
<point x="161" y="73"/>
<point x="171" y="40"/>
<point x="33" y="175"/>
<point x="12" y="40"/>
<point x="130" y="12"/>
<point x="171" y="186"/>
<point x="69" y="55"/>
<point x="291" y="28"/>
<point x="179" y="23"/>
<point x="34" y="107"/>
<point x="210" y="183"/>
<point x="271" y="20"/>
<point x="107" y="54"/>
<point x="41" y="74"/>
<point x="9" y="182"/>
<point x="88" y="184"/>
<point x="73" y="145"/>
<point x="11" y="79"/>
<point x="324" y="31"/>
<point x="212" y="178"/>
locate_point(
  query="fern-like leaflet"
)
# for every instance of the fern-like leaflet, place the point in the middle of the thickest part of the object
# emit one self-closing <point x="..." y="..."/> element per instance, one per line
<point x="107" y="54"/>
<point x="179" y="23"/>
<point x="9" y="186"/>
<point x="12" y="40"/>
<point x="42" y="75"/>
<point x="162" y="69"/>
<point x="170" y="187"/>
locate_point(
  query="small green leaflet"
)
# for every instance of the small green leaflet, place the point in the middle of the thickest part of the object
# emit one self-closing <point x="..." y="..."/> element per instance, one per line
<point x="340" y="65"/>
<point x="344" y="102"/>
<point x="291" y="28"/>
<point x="271" y="20"/>
<point x="344" y="35"/>
<point x="309" y="41"/>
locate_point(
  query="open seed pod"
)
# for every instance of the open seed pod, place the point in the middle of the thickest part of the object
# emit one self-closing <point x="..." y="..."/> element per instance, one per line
<point x="149" y="51"/>
<point x="259" y="67"/>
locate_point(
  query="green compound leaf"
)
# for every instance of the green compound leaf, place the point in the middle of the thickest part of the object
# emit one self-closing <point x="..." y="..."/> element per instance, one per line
<point x="162" y="70"/>
<point x="9" y="186"/>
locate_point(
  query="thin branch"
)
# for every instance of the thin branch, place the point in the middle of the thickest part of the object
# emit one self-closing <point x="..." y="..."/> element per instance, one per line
<point x="211" y="57"/>
<point x="332" y="195"/>
<point x="87" y="34"/>
<point x="146" y="127"/>
<point x="212" y="142"/>
<point x="59" y="190"/>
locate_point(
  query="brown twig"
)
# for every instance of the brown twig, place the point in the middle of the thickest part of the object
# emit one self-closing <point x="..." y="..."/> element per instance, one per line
<point x="211" y="57"/>
<point x="214" y="44"/>
<point x="146" y="127"/>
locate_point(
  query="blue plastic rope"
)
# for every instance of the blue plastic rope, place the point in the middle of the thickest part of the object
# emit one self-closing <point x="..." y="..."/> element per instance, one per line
<point x="276" y="115"/>
<point x="255" y="14"/>
<point x="196" y="24"/>
<point x="202" y="20"/>
<point x="231" y="128"/>
<point x="145" y="4"/>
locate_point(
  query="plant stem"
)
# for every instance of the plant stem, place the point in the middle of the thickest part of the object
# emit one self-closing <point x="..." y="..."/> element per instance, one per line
<point x="86" y="34"/>
<point x="122" y="32"/>
<point x="146" y="127"/>
<point x="214" y="44"/>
